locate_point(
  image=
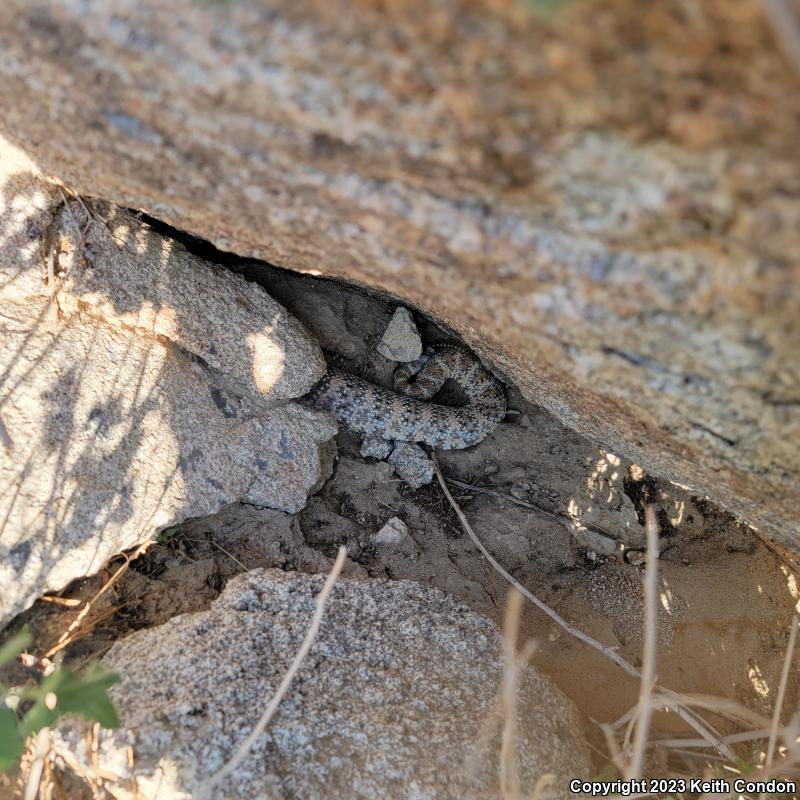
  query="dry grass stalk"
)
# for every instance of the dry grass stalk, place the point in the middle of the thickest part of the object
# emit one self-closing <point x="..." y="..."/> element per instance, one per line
<point x="544" y="781"/>
<point x="785" y="21"/>
<point x="608" y="652"/>
<point x="220" y="548"/>
<point x="67" y="637"/>
<point x="41" y="748"/>
<point x="776" y="716"/>
<point x="564" y="520"/>
<point x="513" y="666"/>
<point x="733" y="738"/>
<point x="667" y="699"/>
<point x="93" y="777"/>
<point x="722" y="706"/>
<point x="648" y="679"/>
<point x="509" y="774"/>
<point x="614" y="751"/>
<point x="67" y="602"/>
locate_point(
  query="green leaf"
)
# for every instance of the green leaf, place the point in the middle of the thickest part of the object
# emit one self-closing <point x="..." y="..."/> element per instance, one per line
<point x="12" y="742"/>
<point x="86" y="695"/>
<point x="14" y="646"/>
<point x="168" y="533"/>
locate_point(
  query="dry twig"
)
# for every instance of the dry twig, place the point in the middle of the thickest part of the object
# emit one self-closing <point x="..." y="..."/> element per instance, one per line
<point x="513" y="665"/>
<point x="573" y="631"/>
<point x="509" y="776"/>
<point x="564" y="520"/>
<point x="647" y="682"/>
<point x="66" y="637"/>
<point x="667" y="699"/>
<point x="41" y="748"/>
<point x="776" y="715"/>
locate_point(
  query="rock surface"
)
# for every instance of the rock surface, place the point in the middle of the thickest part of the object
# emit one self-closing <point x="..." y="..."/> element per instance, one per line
<point x="124" y="410"/>
<point x="113" y="267"/>
<point x="373" y="446"/>
<point x="630" y="263"/>
<point x="395" y="699"/>
<point x="400" y="341"/>
<point x="394" y="535"/>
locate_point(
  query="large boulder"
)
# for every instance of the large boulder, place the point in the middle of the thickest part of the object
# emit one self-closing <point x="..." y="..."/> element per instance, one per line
<point x="604" y="203"/>
<point x="140" y="386"/>
<point x="398" y="698"/>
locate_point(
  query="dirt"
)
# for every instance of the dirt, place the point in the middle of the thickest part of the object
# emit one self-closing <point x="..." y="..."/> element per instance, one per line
<point x="561" y="513"/>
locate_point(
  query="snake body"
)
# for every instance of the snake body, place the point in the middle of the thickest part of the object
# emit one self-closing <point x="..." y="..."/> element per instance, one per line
<point x="405" y="415"/>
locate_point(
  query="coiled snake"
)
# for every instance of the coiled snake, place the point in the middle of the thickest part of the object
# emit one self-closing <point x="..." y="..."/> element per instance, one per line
<point x="405" y="415"/>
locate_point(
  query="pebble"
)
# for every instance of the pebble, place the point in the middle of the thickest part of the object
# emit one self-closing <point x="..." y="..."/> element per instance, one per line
<point x="401" y="340"/>
<point x="394" y="534"/>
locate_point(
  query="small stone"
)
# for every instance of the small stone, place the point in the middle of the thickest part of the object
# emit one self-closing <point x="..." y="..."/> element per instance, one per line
<point x="520" y="491"/>
<point x="394" y="534"/>
<point x="636" y="558"/>
<point x="599" y="544"/>
<point x="401" y="340"/>
<point x="373" y="446"/>
<point x="411" y="463"/>
<point x="602" y="503"/>
<point x="682" y="512"/>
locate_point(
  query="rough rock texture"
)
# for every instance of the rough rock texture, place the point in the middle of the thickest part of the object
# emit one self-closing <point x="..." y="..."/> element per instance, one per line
<point x="400" y="341"/>
<point x="115" y="268"/>
<point x="394" y="535"/>
<point x="373" y="446"/>
<point x="122" y="410"/>
<point x="602" y="502"/>
<point x="395" y="699"/>
<point x="604" y="202"/>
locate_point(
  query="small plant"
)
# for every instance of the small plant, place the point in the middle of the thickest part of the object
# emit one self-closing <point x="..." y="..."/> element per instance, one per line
<point x="168" y="534"/>
<point x="25" y="710"/>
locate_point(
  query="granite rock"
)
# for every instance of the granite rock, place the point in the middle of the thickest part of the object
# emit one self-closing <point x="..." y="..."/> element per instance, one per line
<point x="394" y="700"/>
<point x="604" y="202"/>
<point x="401" y="341"/>
<point x="122" y="412"/>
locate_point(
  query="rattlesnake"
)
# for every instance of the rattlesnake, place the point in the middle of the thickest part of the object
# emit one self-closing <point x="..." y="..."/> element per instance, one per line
<point x="404" y="415"/>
